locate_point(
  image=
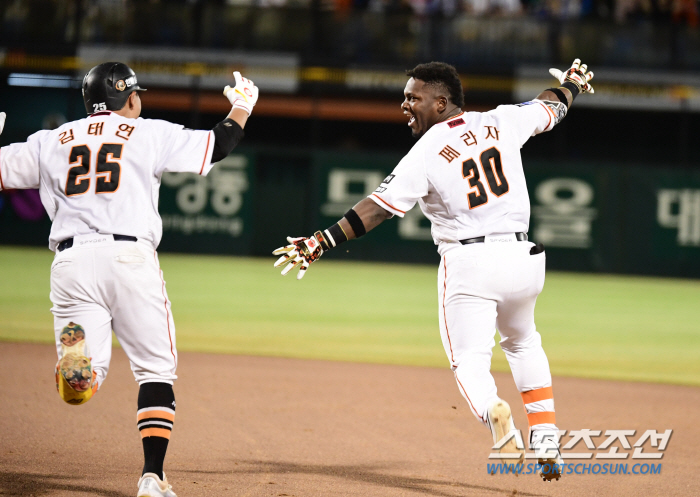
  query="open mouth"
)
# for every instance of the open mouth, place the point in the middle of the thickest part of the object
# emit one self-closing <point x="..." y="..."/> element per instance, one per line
<point x="411" y="120"/>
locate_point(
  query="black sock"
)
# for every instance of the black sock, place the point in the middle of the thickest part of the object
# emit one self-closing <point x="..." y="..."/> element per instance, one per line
<point x="154" y="449"/>
<point x="155" y="417"/>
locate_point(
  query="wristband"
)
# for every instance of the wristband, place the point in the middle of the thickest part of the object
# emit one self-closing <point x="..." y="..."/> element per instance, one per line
<point x="331" y="237"/>
<point x="560" y="95"/>
<point x="355" y="223"/>
<point x="574" y="88"/>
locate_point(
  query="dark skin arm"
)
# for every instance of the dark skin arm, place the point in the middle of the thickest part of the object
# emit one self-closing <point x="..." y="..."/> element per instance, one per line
<point x="371" y="214"/>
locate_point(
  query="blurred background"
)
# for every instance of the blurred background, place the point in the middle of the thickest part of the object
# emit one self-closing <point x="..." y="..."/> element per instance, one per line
<point x="614" y="188"/>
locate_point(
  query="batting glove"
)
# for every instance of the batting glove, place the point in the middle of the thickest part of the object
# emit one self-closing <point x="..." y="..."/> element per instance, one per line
<point x="2" y="121"/>
<point x="244" y="95"/>
<point x="302" y="251"/>
<point x="576" y="75"/>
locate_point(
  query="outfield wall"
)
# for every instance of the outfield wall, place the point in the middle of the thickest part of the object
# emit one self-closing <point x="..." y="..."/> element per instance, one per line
<point x="591" y="217"/>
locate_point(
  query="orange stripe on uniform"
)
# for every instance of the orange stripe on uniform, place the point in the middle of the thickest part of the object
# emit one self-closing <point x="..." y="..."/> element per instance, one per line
<point x="537" y="395"/>
<point x="387" y="203"/>
<point x="538" y="418"/>
<point x="206" y="152"/>
<point x="155" y="432"/>
<point x="156" y="414"/>
<point x="549" y="111"/>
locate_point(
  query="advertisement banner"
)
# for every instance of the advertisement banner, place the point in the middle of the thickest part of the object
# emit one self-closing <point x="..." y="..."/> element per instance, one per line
<point x="661" y="222"/>
<point x="590" y="217"/>
<point x="342" y="180"/>
<point x="568" y="214"/>
<point x="209" y="214"/>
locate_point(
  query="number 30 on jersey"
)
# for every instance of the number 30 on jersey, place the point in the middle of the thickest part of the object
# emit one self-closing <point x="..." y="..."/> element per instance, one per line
<point x="493" y="170"/>
<point x="107" y="172"/>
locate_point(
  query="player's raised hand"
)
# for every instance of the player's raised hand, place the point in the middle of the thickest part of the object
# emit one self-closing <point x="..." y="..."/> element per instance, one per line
<point x="244" y="95"/>
<point x="577" y="75"/>
<point x="2" y="121"/>
<point x="300" y="251"/>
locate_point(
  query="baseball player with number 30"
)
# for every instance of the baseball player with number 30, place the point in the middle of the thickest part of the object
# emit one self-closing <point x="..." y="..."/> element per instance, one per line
<point x="99" y="179"/>
<point x="466" y="173"/>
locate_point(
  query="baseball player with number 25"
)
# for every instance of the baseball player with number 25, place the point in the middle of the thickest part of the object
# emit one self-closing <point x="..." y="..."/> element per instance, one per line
<point x="99" y="179"/>
<point x="466" y="173"/>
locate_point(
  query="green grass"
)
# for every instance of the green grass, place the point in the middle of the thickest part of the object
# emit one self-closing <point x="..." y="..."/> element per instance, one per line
<point x="598" y="326"/>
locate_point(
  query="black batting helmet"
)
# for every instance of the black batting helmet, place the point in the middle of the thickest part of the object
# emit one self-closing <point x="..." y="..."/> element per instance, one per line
<point x="108" y="86"/>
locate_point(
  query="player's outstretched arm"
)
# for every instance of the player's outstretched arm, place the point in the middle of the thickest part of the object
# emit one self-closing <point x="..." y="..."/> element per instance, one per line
<point x="2" y="121"/>
<point x="364" y="217"/>
<point x="229" y="132"/>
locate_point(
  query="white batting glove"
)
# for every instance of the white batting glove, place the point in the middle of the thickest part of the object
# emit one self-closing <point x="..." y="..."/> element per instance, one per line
<point x="2" y="121"/>
<point x="302" y="251"/>
<point x="244" y="95"/>
<point x="576" y="75"/>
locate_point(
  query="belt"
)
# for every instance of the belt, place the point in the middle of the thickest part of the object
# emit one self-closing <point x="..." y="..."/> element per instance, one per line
<point x="68" y="242"/>
<point x="521" y="237"/>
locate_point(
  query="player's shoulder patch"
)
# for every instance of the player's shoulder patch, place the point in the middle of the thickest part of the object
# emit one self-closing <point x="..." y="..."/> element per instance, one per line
<point x="456" y="122"/>
<point x="522" y="104"/>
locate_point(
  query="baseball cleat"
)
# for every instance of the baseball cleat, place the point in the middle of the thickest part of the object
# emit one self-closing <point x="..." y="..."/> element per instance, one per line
<point x="152" y="486"/>
<point x="501" y="423"/>
<point x="75" y="379"/>
<point x="546" y="447"/>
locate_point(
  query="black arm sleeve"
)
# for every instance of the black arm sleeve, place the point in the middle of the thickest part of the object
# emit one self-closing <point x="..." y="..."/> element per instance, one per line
<point x="227" y="134"/>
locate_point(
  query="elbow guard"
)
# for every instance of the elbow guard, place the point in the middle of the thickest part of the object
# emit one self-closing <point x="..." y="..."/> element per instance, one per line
<point x="227" y="134"/>
<point x="559" y="109"/>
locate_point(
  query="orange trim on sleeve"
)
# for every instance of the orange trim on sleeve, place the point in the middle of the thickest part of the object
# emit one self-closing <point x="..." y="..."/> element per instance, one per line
<point x="206" y="152"/>
<point x="549" y="114"/>
<point x="155" y="432"/>
<point x="538" y="418"/>
<point x="387" y="203"/>
<point x="156" y="414"/>
<point x="537" y="395"/>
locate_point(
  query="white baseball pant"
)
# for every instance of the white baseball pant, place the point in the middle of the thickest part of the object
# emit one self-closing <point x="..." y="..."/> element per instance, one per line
<point x="117" y="285"/>
<point x="484" y="287"/>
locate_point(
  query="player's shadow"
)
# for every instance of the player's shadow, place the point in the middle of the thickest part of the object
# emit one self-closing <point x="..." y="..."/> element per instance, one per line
<point x="359" y="473"/>
<point x="16" y="483"/>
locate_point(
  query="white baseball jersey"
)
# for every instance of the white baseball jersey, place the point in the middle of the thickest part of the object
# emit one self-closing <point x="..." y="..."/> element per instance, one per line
<point x="102" y="174"/>
<point x="467" y="175"/>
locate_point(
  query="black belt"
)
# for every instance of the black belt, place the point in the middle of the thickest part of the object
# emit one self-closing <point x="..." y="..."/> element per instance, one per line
<point x="521" y="237"/>
<point x="68" y="242"/>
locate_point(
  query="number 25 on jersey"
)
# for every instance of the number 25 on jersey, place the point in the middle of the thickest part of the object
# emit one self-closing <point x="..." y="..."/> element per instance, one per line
<point x="107" y="171"/>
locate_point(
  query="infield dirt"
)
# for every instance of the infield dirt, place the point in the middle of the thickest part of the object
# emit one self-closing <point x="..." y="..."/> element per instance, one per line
<point x="255" y="426"/>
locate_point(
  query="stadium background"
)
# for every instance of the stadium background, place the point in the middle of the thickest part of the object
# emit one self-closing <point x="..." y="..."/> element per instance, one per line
<point x="614" y="188"/>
